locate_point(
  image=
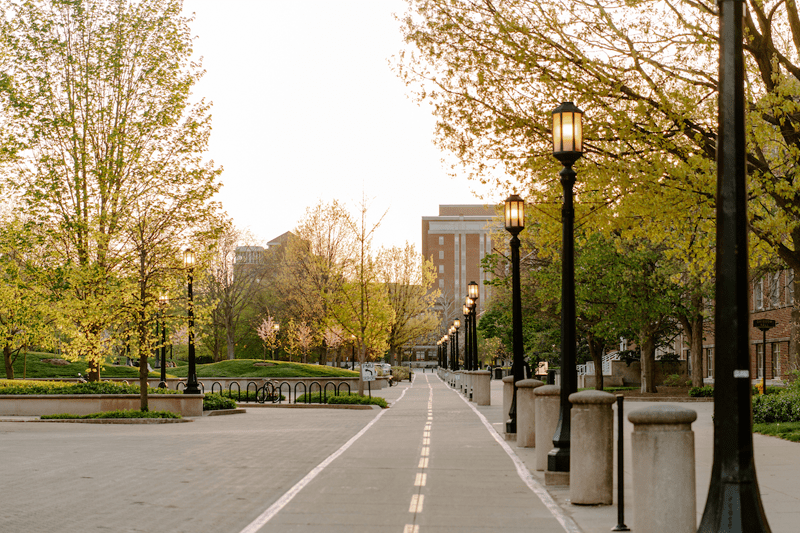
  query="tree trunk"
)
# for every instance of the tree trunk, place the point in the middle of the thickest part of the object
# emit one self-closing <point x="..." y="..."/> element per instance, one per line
<point x="7" y="358"/>
<point x="648" y="362"/>
<point x="362" y="356"/>
<point x="596" y="351"/>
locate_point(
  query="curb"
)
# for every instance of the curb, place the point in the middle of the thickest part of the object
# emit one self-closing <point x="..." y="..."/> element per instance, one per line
<point x="221" y="412"/>
<point x="113" y="420"/>
<point x="312" y="406"/>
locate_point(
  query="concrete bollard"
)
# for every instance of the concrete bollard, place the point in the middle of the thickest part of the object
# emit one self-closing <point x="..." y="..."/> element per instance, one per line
<point x="591" y="459"/>
<point x="482" y="388"/>
<point x="662" y="447"/>
<point x="508" y="395"/>
<point x="526" y="414"/>
<point x="548" y="405"/>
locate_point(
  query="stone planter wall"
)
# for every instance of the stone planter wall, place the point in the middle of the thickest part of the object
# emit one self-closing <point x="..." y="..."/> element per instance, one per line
<point x="84" y="404"/>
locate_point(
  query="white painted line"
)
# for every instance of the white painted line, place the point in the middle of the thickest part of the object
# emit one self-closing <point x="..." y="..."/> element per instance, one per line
<point x="426" y="433"/>
<point x="423" y="462"/>
<point x="410" y="528"/>
<point x="276" y="507"/>
<point x="420" y="480"/>
<point x="525" y="475"/>
<point x="425" y="451"/>
<point x="412" y="508"/>
<point x="426" y="441"/>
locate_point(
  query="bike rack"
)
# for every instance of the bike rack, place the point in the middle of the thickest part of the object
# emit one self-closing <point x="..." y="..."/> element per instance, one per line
<point x="179" y="385"/>
<point x="271" y="395"/>
<point x="325" y="392"/>
<point x="311" y="388"/>
<point x="213" y="385"/>
<point x="247" y="391"/>
<point x="305" y="391"/>
<point x="288" y="391"/>
<point x="339" y="387"/>
<point x="238" y="391"/>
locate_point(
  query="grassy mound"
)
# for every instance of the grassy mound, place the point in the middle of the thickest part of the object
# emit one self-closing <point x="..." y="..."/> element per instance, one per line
<point x="246" y="368"/>
<point x="48" y="365"/>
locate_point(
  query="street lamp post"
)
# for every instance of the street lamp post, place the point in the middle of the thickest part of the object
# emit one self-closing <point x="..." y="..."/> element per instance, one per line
<point x="192" y="386"/>
<point x="734" y="501"/>
<point x="456" y="325"/>
<point x="515" y="223"/>
<point x="473" y="292"/>
<point x="353" y="353"/>
<point x="567" y="148"/>
<point x="162" y="304"/>
<point x="467" y="337"/>
<point x="450" y="336"/>
<point x="277" y="329"/>
<point x="764" y="324"/>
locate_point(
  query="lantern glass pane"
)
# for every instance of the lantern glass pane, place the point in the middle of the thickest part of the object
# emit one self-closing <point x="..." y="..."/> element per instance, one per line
<point x="472" y="289"/>
<point x="188" y="258"/>
<point x="567" y="133"/>
<point x="557" y="132"/>
<point x="578" y="132"/>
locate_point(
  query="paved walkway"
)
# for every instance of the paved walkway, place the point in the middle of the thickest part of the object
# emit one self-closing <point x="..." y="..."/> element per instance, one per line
<point x="430" y="463"/>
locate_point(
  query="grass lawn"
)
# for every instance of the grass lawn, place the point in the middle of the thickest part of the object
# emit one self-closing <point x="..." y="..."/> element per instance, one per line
<point x="785" y="430"/>
<point x="35" y="367"/>
<point x="245" y="368"/>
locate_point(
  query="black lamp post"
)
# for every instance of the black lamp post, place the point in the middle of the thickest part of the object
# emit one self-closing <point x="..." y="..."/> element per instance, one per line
<point x="192" y="386"/>
<point x="473" y="292"/>
<point x="764" y="324"/>
<point x="445" y="362"/>
<point x="567" y="148"/>
<point x="450" y="336"/>
<point x="277" y="328"/>
<point x="515" y="223"/>
<point x="162" y="304"/>
<point x="467" y="337"/>
<point x="353" y="353"/>
<point x="456" y="326"/>
<point x="734" y="501"/>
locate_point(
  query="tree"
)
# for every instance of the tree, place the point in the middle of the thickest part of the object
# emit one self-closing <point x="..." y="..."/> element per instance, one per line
<point x="407" y="279"/>
<point x="332" y="336"/>
<point x="361" y="306"/>
<point x="299" y="339"/>
<point x="232" y="284"/>
<point x="109" y="154"/>
<point x="24" y="317"/>
<point x="645" y="73"/>
<point x="267" y="331"/>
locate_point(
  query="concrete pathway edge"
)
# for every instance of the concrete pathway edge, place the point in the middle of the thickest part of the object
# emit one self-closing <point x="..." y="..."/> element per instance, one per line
<point x="525" y="475"/>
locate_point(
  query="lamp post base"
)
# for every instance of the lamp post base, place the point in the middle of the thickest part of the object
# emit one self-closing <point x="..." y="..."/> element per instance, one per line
<point x="558" y="460"/>
<point x="511" y="427"/>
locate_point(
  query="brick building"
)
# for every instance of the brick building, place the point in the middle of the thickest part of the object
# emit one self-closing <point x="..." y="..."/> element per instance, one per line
<point x="456" y="241"/>
<point x="771" y="297"/>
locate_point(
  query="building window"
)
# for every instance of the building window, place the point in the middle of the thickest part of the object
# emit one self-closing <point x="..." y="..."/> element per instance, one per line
<point x="709" y="362"/>
<point x="441" y="241"/>
<point x="774" y="289"/>
<point x="759" y="359"/>
<point x="441" y="269"/>
<point x="758" y="294"/>
<point x="775" y="364"/>
<point x="441" y="254"/>
<point x="790" y="286"/>
<point x="441" y="283"/>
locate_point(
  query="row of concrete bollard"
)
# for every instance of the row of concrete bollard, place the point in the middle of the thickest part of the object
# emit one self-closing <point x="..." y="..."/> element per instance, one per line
<point x="474" y="384"/>
<point x="662" y="447"/>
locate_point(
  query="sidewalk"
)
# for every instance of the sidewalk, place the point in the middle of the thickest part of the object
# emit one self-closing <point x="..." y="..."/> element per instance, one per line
<point x="427" y="464"/>
<point x="777" y="468"/>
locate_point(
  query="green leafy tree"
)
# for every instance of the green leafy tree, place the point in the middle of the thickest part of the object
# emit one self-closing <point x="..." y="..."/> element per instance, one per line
<point x="109" y="154"/>
<point x="407" y="278"/>
<point x="645" y="72"/>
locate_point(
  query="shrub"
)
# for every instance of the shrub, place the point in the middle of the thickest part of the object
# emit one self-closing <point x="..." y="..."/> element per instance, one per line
<point x="702" y="392"/>
<point x="781" y="407"/>
<point x="343" y="398"/>
<point x="400" y="373"/>
<point x="203" y="360"/>
<point x="673" y="380"/>
<point x="121" y="413"/>
<point x="61" y="387"/>
<point x="213" y="401"/>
